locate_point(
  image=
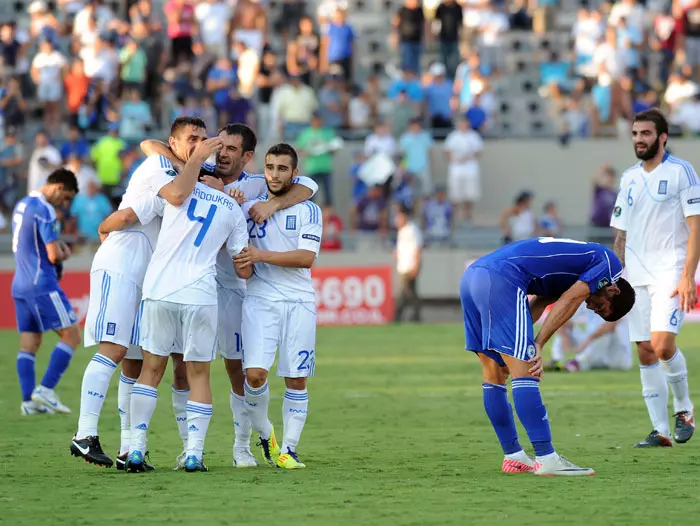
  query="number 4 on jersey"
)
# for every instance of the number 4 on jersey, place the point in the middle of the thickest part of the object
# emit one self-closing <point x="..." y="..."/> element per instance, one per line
<point x="204" y="221"/>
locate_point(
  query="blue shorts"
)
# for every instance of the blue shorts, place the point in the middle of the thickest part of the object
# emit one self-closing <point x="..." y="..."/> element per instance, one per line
<point x="497" y="316"/>
<point x="48" y="312"/>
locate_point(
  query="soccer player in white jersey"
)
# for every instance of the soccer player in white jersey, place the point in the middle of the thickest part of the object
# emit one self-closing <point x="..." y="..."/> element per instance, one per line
<point x="239" y="142"/>
<point x="116" y="277"/>
<point x="657" y="217"/>
<point x="279" y="310"/>
<point x="180" y="305"/>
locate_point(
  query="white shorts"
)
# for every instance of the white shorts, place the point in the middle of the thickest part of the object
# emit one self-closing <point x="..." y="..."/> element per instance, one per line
<point x="230" y="315"/>
<point x="463" y="184"/>
<point x="50" y="92"/>
<point x="268" y="325"/>
<point x="654" y="311"/>
<point x="164" y="323"/>
<point x="114" y="312"/>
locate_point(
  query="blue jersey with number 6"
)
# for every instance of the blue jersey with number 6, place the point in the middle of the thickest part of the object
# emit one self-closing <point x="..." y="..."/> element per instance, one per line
<point x="183" y="266"/>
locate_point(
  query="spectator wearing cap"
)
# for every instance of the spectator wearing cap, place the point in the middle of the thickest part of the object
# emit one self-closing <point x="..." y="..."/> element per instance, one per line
<point x="409" y="29"/>
<point x="181" y="28"/>
<point x="332" y="102"/>
<point x="134" y="66"/>
<point x="449" y="14"/>
<point x="106" y="155"/>
<point x="316" y="146"/>
<point x="44" y="159"/>
<point x="415" y="146"/>
<point x="48" y="69"/>
<point x="337" y="45"/>
<point x="214" y="19"/>
<point x="438" y="97"/>
<point x="293" y="105"/>
<point x="303" y="52"/>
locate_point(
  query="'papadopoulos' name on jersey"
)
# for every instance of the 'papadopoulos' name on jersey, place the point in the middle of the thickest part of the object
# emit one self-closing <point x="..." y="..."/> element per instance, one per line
<point x="296" y="228"/>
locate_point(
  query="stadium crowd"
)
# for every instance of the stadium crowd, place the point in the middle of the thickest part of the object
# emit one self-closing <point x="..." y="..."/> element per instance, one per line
<point x="98" y="77"/>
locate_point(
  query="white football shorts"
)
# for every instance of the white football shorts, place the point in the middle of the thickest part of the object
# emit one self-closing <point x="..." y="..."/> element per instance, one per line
<point x="114" y="312"/>
<point x="230" y="315"/>
<point x="654" y="311"/>
<point x="165" y="323"/>
<point x="268" y="325"/>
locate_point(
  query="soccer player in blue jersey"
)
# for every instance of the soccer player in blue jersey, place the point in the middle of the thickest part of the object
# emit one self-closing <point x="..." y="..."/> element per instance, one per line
<point x="40" y="304"/>
<point x="498" y="326"/>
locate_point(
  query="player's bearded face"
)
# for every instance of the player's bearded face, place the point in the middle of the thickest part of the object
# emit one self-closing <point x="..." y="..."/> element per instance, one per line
<point x="646" y="141"/>
<point x="230" y="160"/>
<point x="279" y="173"/>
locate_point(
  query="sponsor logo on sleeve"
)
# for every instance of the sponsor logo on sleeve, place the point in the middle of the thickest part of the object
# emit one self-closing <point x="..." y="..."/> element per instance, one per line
<point x="311" y="237"/>
<point x="694" y="201"/>
<point x="603" y="283"/>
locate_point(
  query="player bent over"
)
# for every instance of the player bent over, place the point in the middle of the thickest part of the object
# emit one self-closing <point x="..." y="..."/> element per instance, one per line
<point x="498" y="327"/>
<point x="40" y="304"/>
<point x="279" y="310"/>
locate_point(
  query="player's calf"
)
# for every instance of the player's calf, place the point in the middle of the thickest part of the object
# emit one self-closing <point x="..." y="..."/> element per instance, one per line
<point x="199" y="411"/>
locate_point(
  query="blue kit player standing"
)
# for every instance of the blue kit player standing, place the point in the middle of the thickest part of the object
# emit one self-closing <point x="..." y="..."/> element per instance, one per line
<point x="498" y="325"/>
<point x="40" y="304"/>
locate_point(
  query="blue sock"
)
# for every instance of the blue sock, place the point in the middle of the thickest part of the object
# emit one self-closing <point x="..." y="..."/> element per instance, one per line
<point x="58" y="363"/>
<point x="27" y="377"/>
<point x="533" y="414"/>
<point x="500" y="413"/>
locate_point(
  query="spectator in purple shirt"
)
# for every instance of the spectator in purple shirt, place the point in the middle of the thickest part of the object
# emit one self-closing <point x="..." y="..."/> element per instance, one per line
<point x="604" y="196"/>
<point x="237" y="108"/>
<point x="372" y="211"/>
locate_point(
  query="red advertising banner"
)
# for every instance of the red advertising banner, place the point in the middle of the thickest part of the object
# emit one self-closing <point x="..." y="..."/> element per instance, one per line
<point x="354" y="295"/>
<point x="344" y="296"/>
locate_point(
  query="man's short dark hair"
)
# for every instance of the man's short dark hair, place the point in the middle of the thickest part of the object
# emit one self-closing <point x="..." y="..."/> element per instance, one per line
<point x="248" y="139"/>
<point x="284" y="149"/>
<point x="405" y="210"/>
<point x="181" y="123"/>
<point x="64" y="177"/>
<point x="623" y="302"/>
<point x="656" y="116"/>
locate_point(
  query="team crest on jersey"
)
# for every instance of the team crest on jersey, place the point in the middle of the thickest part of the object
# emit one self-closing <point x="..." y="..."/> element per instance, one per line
<point x="111" y="329"/>
<point x="603" y="283"/>
<point x="617" y="211"/>
<point x="291" y="223"/>
<point x="663" y="187"/>
<point x="530" y="352"/>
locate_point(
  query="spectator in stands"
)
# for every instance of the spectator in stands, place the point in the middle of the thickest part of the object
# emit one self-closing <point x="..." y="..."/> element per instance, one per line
<point x="214" y="20"/>
<point x="372" y="212"/>
<point x="463" y="147"/>
<point x="332" y="100"/>
<point x="90" y="208"/>
<point x="380" y="142"/>
<point x="518" y="221"/>
<point x="337" y="45"/>
<point x="609" y="57"/>
<point x="409" y="30"/>
<point x="631" y="11"/>
<point x="247" y="68"/>
<point x="316" y="145"/>
<point x="549" y="224"/>
<point x="689" y="37"/>
<point x="360" y="110"/>
<point x="294" y="103"/>
<point x="237" y="108"/>
<point x="477" y="115"/>
<point x="221" y="78"/>
<point x="93" y="113"/>
<point x="494" y="23"/>
<point x="84" y="173"/>
<point x="181" y="28"/>
<point x="268" y="77"/>
<point x="438" y="97"/>
<point x="681" y="88"/>
<point x="42" y="22"/>
<point x="604" y="197"/>
<point x="332" y="227"/>
<point x="438" y="219"/>
<point x="48" y="69"/>
<point x="10" y="46"/>
<point x="359" y="187"/>
<point x="44" y="159"/>
<point x="409" y="247"/>
<point x="13" y="107"/>
<point x="76" y="85"/>
<point x="94" y="11"/>
<point x="250" y="23"/>
<point x="415" y="144"/>
<point x="135" y="117"/>
<point x="587" y="32"/>
<point x="630" y="39"/>
<point x="687" y="116"/>
<point x="106" y="155"/>
<point x="410" y="84"/>
<point x="11" y="163"/>
<point x="303" y="52"/>
<point x="134" y="66"/>
<point x="663" y="39"/>
<point x="74" y="145"/>
<point x="602" y="109"/>
<point x="401" y="114"/>
<point x="449" y="15"/>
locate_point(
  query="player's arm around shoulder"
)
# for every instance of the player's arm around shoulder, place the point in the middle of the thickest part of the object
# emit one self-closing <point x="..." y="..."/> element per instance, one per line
<point x="304" y="188"/>
<point x="143" y="211"/>
<point x="237" y="242"/>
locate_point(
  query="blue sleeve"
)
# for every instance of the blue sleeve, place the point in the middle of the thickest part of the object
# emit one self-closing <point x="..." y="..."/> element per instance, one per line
<point x="48" y="229"/>
<point x="605" y="270"/>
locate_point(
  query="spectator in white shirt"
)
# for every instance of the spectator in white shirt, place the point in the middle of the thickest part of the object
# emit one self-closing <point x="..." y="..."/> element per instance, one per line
<point x="48" y="69"/>
<point x="631" y="11"/>
<point x="687" y="115"/>
<point x="609" y="56"/>
<point x="381" y="142"/>
<point x="214" y="18"/>
<point x="409" y="245"/>
<point x="44" y="159"/>
<point x="463" y="147"/>
<point x="587" y="32"/>
<point x="93" y="10"/>
<point x="680" y="89"/>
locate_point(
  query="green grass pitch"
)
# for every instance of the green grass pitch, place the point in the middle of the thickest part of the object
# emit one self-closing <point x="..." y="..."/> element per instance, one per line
<point x="396" y="435"/>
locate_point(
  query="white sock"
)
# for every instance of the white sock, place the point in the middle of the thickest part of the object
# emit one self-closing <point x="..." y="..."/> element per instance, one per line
<point x="143" y="404"/>
<point x="294" y="409"/>
<point x="544" y="458"/>
<point x="520" y="456"/>
<point x="258" y="401"/>
<point x="242" y="427"/>
<point x="198" y="417"/>
<point x="676" y="373"/>
<point x="126" y="384"/>
<point x="96" y="379"/>
<point x="655" y="393"/>
<point x="180" y="397"/>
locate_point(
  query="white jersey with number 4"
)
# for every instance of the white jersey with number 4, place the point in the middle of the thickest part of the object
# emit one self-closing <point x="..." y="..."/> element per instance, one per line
<point x="652" y="208"/>
<point x="183" y="266"/>
<point x="128" y="252"/>
<point x="252" y="186"/>
<point x="297" y="228"/>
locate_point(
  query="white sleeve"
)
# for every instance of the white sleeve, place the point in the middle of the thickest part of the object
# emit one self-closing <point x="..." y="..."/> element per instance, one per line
<point x="308" y="183"/>
<point x="147" y="207"/>
<point x="238" y="238"/>
<point x="478" y="143"/>
<point x="311" y="228"/>
<point x="161" y="172"/>
<point x="449" y="143"/>
<point x="619" y="216"/>
<point x="252" y="186"/>
<point x="689" y="190"/>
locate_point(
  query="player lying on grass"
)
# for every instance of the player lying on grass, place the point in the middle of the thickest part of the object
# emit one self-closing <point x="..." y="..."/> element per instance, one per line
<point x="498" y="326"/>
